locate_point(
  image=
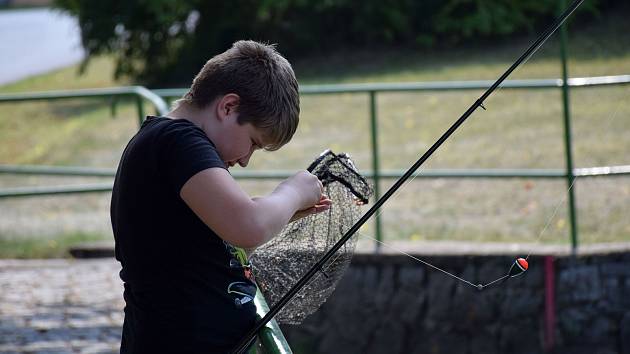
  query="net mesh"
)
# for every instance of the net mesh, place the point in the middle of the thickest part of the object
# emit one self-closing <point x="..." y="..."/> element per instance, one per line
<point x="280" y="263"/>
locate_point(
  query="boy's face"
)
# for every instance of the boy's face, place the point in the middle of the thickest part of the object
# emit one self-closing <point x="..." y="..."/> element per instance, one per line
<point x="237" y="143"/>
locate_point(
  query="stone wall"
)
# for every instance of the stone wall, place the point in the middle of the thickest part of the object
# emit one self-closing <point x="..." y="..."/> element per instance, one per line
<point x="392" y="304"/>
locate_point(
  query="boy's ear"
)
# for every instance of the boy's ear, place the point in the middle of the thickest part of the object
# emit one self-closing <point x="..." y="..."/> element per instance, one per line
<point x="228" y="105"/>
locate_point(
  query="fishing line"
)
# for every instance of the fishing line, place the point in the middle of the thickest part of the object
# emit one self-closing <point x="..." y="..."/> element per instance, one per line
<point x="609" y="121"/>
<point x="251" y="335"/>
<point x="483" y="106"/>
<point x="418" y="172"/>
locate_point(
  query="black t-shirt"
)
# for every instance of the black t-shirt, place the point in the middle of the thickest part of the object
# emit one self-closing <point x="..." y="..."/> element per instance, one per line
<point x="185" y="290"/>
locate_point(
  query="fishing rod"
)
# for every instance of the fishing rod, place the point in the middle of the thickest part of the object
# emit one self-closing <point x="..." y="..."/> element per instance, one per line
<point x="251" y="335"/>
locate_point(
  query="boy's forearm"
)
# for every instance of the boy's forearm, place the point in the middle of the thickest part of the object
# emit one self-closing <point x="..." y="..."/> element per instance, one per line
<point x="275" y="210"/>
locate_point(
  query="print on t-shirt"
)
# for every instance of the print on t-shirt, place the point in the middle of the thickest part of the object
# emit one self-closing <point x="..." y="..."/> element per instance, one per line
<point x="241" y="292"/>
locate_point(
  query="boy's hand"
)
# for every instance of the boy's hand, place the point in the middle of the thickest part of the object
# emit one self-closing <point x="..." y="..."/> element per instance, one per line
<point x="306" y="187"/>
<point x="323" y="205"/>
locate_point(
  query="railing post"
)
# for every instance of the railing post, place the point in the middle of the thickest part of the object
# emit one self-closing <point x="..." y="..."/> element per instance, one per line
<point x="375" y="164"/>
<point x="113" y="105"/>
<point x="567" y="135"/>
<point x="140" y="107"/>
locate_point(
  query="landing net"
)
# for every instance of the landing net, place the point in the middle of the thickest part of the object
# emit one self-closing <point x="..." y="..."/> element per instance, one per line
<point x="280" y="263"/>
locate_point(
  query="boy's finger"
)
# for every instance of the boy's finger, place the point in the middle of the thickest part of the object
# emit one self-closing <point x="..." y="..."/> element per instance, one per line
<point x="325" y="202"/>
<point x="320" y="208"/>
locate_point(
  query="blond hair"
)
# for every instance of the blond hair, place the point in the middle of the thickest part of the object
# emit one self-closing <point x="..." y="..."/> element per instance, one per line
<point x="265" y="83"/>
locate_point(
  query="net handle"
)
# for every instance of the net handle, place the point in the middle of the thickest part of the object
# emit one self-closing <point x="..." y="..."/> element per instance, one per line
<point x="363" y="197"/>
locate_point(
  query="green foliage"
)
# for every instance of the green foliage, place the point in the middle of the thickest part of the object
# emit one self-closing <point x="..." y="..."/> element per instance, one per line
<point x="163" y="41"/>
<point x="482" y="17"/>
<point x="146" y="36"/>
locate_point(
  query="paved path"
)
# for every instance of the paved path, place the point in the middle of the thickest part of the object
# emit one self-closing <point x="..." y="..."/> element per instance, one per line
<point x="60" y="306"/>
<point x="34" y="41"/>
<point x="75" y="306"/>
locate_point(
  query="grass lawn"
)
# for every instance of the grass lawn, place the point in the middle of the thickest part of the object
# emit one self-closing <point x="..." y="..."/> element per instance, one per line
<point x="520" y="129"/>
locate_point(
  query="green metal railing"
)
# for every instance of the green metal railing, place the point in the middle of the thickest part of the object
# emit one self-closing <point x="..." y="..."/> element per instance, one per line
<point x="138" y="93"/>
<point x="569" y="173"/>
<point x="270" y="338"/>
<point x="609" y="171"/>
<point x="566" y="115"/>
<point x="155" y="97"/>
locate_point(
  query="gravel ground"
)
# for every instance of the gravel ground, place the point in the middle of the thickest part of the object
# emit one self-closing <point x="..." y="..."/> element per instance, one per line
<point x="60" y="306"/>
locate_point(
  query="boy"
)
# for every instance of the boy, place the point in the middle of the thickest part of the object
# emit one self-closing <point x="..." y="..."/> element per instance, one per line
<point x="177" y="214"/>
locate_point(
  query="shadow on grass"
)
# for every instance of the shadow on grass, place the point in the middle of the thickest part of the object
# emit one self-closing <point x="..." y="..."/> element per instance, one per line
<point x="35" y="247"/>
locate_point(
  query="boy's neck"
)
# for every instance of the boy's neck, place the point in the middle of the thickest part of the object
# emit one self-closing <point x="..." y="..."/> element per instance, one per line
<point x="205" y="118"/>
<point x="199" y="117"/>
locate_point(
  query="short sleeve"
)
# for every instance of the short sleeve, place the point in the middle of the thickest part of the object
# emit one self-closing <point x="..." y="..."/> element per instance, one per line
<point x="185" y="150"/>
